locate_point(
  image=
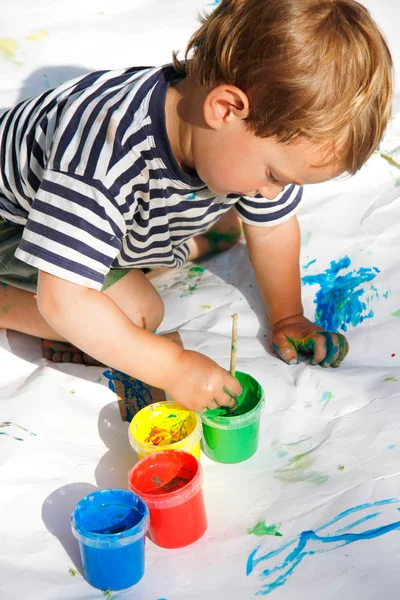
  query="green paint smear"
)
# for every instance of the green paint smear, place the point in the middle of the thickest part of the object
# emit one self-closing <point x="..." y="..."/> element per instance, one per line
<point x="396" y="313"/>
<point x="390" y="379"/>
<point x="195" y="272"/>
<point x="249" y="398"/>
<point x="262" y="529"/>
<point x="296" y="471"/>
<point x="5" y="309"/>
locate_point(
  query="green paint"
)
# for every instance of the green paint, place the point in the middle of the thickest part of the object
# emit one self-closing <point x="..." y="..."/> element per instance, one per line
<point x="72" y="572"/>
<point x="195" y="272"/>
<point x="108" y="594"/>
<point x="390" y="379"/>
<point x="396" y="313"/>
<point x="219" y="240"/>
<point x="341" y="468"/>
<point x="296" y="471"/>
<point x="205" y="306"/>
<point x="5" y="309"/>
<point x="262" y="529"/>
<point x="232" y="436"/>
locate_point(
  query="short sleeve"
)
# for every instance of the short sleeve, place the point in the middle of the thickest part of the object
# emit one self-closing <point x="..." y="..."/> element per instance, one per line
<point x="74" y="230"/>
<point x="261" y="212"/>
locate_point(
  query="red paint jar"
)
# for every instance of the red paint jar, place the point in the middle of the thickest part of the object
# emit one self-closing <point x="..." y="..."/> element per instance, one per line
<point x="170" y="483"/>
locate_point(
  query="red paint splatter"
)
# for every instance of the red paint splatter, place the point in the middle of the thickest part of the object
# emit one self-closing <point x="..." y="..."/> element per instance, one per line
<point x="393" y="355"/>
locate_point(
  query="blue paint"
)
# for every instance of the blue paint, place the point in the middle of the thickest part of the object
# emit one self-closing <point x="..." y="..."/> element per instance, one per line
<point x="191" y="196"/>
<point x="276" y="576"/>
<point x="338" y="301"/>
<point x="391" y="446"/>
<point x="111" y="526"/>
<point x="309" y="263"/>
<point x="137" y="394"/>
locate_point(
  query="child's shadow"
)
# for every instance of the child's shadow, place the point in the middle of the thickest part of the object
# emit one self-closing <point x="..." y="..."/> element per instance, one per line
<point x="113" y="468"/>
<point x="56" y="514"/>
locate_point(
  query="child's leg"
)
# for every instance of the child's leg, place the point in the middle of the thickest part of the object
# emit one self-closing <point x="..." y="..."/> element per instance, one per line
<point x="134" y="294"/>
<point x="224" y="234"/>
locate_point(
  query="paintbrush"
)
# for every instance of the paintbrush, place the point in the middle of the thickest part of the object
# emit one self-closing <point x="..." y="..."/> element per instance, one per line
<point x="232" y="369"/>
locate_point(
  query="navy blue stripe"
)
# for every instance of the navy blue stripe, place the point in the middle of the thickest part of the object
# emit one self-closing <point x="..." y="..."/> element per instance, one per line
<point x="59" y="261"/>
<point x="4" y="147"/>
<point x="78" y="198"/>
<point x="77" y="221"/>
<point x="74" y="162"/>
<point x="270" y="218"/>
<point x="70" y="242"/>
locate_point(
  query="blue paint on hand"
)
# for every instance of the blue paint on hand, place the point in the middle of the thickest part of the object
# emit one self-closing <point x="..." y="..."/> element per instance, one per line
<point x="338" y="301"/>
<point x="137" y="394"/>
<point x="309" y="543"/>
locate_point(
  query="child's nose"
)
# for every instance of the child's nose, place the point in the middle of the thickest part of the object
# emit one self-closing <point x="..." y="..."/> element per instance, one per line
<point x="270" y="191"/>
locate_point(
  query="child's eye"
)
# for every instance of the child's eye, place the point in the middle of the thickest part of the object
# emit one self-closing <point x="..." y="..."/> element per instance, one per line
<point x="271" y="178"/>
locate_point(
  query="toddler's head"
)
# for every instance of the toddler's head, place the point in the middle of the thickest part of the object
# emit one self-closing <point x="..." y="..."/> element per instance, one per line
<point x="314" y="69"/>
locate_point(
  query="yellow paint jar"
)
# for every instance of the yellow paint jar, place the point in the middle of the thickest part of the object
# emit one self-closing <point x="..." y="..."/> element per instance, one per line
<point x="165" y="426"/>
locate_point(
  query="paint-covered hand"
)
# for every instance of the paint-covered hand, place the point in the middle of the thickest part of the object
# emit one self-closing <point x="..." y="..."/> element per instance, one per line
<point x="196" y="382"/>
<point x="297" y="335"/>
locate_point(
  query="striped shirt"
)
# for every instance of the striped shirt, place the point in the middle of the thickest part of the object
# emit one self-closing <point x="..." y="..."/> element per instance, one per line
<point x="88" y="170"/>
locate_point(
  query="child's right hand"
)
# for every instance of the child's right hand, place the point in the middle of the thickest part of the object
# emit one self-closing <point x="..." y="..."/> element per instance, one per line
<point x="198" y="383"/>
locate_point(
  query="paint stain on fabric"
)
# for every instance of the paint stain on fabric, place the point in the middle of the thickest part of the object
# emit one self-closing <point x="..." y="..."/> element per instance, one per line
<point x="391" y="446"/>
<point x="396" y="313"/>
<point x="339" y="300"/>
<point x="274" y="573"/>
<point x="298" y="469"/>
<point x="11" y="424"/>
<point x="72" y="572"/>
<point x="391" y="378"/>
<point x="262" y="529"/>
<point x="341" y="468"/>
<point x="193" y="278"/>
<point x="205" y="306"/>
<point x="38" y="36"/>
<point x="309" y="263"/>
<point x="326" y="397"/>
<point x="8" y="50"/>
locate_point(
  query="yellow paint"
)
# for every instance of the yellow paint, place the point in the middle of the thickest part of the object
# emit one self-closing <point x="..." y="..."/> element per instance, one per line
<point x="165" y="425"/>
<point x="8" y="48"/>
<point x="37" y="37"/>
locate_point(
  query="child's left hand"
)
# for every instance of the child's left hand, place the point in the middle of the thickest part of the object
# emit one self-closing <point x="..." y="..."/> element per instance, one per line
<point x="297" y="335"/>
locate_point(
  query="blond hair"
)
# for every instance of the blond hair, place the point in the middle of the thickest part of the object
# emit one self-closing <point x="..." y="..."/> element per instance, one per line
<point x="314" y="68"/>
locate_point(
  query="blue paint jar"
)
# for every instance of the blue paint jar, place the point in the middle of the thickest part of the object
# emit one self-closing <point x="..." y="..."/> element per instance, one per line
<point x="110" y="526"/>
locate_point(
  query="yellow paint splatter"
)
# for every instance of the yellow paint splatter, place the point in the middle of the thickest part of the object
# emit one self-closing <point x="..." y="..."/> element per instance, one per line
<point x="341" y="468"/>
<point x="8" y="48"/>
<point x="37" y="37"/>
<point x="205" y="306"/>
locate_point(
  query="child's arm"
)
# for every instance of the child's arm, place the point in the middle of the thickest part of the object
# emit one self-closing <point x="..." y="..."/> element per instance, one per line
<point x="94" y="323"/>
<point x="274" y="253"/>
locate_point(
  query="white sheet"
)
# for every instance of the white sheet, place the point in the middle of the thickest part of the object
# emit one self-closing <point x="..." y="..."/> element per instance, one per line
<point x="330" y="445"/>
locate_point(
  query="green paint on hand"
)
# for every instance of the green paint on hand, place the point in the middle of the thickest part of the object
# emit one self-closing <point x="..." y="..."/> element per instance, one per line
<point x="262" y="529"/>
<point x="5" y="309"/>
<point x="396" y="313"/>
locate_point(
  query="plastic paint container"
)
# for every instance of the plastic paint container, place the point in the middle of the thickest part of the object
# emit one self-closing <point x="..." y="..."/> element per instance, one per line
<point x="231" y="437"/>
<point x="170" y="482"/>
<point x="111" y="526"/>
<point x="165" y="426"/>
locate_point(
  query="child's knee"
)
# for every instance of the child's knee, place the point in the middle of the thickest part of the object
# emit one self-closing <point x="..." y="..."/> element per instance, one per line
<point x="155" y="314"/>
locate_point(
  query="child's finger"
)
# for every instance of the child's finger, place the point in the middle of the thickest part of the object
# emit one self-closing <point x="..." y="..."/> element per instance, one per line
<point x="332" y="349"/>
<point x="285" y="350"/>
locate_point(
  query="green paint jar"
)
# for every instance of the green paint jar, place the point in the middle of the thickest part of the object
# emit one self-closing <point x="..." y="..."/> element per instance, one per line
<point x="232" y="437"/>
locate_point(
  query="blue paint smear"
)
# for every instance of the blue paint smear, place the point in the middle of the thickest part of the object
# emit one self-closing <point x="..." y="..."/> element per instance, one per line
<point x="278" y="574"/>
<point x="137" y="393"/>
<point x="338" y="301"/>
<point x="309" y="263"/>
<point x="391" y="446"/>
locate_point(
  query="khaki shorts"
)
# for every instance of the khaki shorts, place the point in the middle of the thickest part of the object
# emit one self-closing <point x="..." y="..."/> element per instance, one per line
<point x="19" y="274"/>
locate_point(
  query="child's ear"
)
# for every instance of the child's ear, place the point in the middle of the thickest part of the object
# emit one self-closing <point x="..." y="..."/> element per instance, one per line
<point x="223" y="104"/>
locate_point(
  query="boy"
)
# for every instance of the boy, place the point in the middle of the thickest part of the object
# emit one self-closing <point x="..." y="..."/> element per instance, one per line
<point x="139" y="168"/>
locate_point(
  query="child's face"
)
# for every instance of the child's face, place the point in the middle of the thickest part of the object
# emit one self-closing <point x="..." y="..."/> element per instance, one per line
<point x="233" y="160"/>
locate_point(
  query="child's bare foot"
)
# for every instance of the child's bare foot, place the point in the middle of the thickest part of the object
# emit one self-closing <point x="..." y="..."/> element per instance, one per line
<point x="64" y="352"/>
